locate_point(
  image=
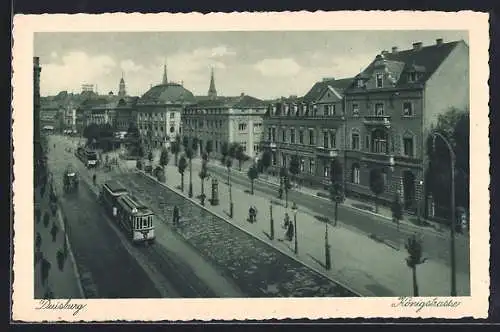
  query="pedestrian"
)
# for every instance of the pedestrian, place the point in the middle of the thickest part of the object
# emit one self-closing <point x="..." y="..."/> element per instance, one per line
<point x="289" y="232"/>
<point x="286" y="221"/>
<point x="45" y="270"/>
<point x="94" y="179"/>
<point x="176" y="215"/>
<point x="54" y="231"/>
<point x="38" y="241"/>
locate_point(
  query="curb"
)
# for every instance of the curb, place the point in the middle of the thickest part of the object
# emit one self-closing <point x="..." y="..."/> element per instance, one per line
<point x="408" y="226"/>
<point x="252" y="235"/>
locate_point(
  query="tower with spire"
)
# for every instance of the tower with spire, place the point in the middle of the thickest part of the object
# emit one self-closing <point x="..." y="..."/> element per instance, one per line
<point x="212" y="92"/>
<point x="122" y="92"/>
<point x="165" y="78"/>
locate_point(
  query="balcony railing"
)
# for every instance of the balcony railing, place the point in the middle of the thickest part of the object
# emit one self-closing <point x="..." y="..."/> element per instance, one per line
<point x="383" y="158"/>
<point x="377" y="120"/>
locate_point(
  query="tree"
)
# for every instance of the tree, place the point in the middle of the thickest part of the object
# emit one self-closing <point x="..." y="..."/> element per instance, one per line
<point x="337" y="186"/>
<point x="194" y="145"/>
<point x="414" y="248"/>
<point x="203" y="175"/>
<point x="181" y="167"/>
<point x="239" y="154"/>
<point x="91" y="133"/>
<point x="253" y="173"/>
<point x="284" y="183"/>
<point x="454" y="126"/>
<point x="377" y="184"/>
<point x="397" y="210"/>
<point x="295" y="166"/>
<point x="175" y="148"/>
<point x="164" y="157"/>
<point x="224" y="150"/>
<point x="209" y="147"/>
<point x="266" y="160"/>
<point x="189" y="156"/>
<point x="185" y="143"/>
<point x="229" y="164"/>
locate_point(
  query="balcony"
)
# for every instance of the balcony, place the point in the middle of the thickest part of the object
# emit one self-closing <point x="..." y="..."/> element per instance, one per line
<point x="377" y="120"/>
<point x="327" y="152"/>
<point x="380" y="158"/>
<point x="268" y="144"/>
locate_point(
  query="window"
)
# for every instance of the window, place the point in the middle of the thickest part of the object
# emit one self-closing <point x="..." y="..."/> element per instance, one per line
<point x="355" y="141"/>
<point x="311" y="137"/>
<point x="274" y="135"/>
<point x="379" y="109"/>
<point x="408" y="146"/>
<point x="355" y="174"/>
<point x="326" y="171"/>
<point x="379" y="80"/>
<point x="355" y="110"/>
<point x="334" y="111"/>
<point x="379" y="141"/>
<point x="367" y="142"/>
<point x="412" y="76"/>
<point x="302" y="165"/>
<point x="325" y="140"/>
<point x="274" y="158"/>
<point x="312" y="166"/>
<point x="407" y="109"/>
<point x="292" y="135"/>
<point x="325" y="110"/>
<point x="283" y="159"/>
<point x="333" y="139"/>
<point x="301" y="136"/>
<point x="384" y="176"/>
<point x="269" y="134"/>
<point x="283" y="135"/>
<point x="242" y="126"/>
<point x="360" y="83"/>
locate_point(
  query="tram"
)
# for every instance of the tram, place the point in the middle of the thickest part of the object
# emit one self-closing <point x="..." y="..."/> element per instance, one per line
<point x="136" y="219"/>
<point x="88" y="157"/>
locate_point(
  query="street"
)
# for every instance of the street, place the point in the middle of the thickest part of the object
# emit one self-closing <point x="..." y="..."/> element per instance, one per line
<point x="102" y="251"/>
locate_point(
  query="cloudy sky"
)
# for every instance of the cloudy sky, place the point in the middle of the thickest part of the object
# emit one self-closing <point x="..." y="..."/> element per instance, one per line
<point x="263" y="64"/>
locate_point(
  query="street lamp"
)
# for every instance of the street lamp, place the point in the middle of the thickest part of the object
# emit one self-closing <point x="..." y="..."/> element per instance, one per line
<point x="271" y="220"/>
<point x="419" y="202"/>
<point x="328" y="262"/>
<point x="436" y="134"/>
<point x="294" y="210"/>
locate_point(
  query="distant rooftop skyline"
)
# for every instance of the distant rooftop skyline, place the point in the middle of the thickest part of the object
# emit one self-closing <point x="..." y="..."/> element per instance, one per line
<point x="265" y="65"/>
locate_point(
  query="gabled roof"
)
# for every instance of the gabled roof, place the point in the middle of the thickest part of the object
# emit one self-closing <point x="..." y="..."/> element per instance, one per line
<point x="319" y="87"/>
<point x="425" y="60"/>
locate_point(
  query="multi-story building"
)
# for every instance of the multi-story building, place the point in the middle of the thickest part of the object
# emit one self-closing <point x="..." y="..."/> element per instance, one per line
<point x="159" y="112"/>
<point x="391" y="108"/>
<point x="52" y="115"/>
<point x="311" y="127"/>
<point x="226" y="120"/>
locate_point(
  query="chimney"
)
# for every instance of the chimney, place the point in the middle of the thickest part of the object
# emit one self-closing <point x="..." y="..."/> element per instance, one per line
<point x="242" y="94"/>
<point x="417" y="46"/>
<point x="394" y="49"/>
<point x="439" y="41"/>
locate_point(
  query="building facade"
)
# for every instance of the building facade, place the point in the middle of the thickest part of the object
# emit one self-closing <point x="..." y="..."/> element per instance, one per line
<point x="228" y="120"/>
<point x="311" y="127"/>
<point x="36" y="109"/>
<point x="159" y="112"/>
<point x="391" y="108"/>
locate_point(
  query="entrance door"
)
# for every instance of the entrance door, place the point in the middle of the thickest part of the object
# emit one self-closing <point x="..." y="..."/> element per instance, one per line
<point x="408" y="189"/>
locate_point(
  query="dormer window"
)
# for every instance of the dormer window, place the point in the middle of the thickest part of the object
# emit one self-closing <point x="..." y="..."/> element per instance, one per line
<point x="360" y="83"/>
<point x="379" y="80"/>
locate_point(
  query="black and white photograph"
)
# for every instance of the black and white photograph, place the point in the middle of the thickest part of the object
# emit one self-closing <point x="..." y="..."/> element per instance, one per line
<point x="254" y="164"/>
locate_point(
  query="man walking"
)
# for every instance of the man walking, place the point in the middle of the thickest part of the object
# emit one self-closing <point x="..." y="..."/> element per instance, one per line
<point x="176" y="215"/>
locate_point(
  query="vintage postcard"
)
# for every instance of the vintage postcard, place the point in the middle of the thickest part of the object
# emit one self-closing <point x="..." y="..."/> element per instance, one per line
<point x="250" y="166"/>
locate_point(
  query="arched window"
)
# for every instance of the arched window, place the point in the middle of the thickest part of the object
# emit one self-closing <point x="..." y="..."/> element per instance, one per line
<point x="355" y="173"/>
<point x="408" y="144"/>
<point x="355" y="139"/>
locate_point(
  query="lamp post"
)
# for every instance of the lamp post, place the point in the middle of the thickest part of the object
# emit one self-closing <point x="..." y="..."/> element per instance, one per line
<point x="271" y="220"/>
<point x="328" y="262"/>
<point x="419" y="201"/>
<point x="436" y="134"/>
<point x="294" y="209"/>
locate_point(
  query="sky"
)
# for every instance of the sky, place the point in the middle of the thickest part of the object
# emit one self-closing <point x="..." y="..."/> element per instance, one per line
<point x="265" y="65"/>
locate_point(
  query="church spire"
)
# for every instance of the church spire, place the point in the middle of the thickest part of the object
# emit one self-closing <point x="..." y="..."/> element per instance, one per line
<point x="165" y="78"/>
<point x="122" y="92"/>
<point x="212" y="92"/>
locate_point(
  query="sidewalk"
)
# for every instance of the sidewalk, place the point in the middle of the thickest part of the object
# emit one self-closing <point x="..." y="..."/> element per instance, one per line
<point x="369" y="267"/>
<point x="384" y="213"/>
<point x="63" y="283"/>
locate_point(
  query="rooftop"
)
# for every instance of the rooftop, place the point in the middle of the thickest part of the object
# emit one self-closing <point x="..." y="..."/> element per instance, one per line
<point x="242" y="101"/>
<point x="170" y="93"/>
